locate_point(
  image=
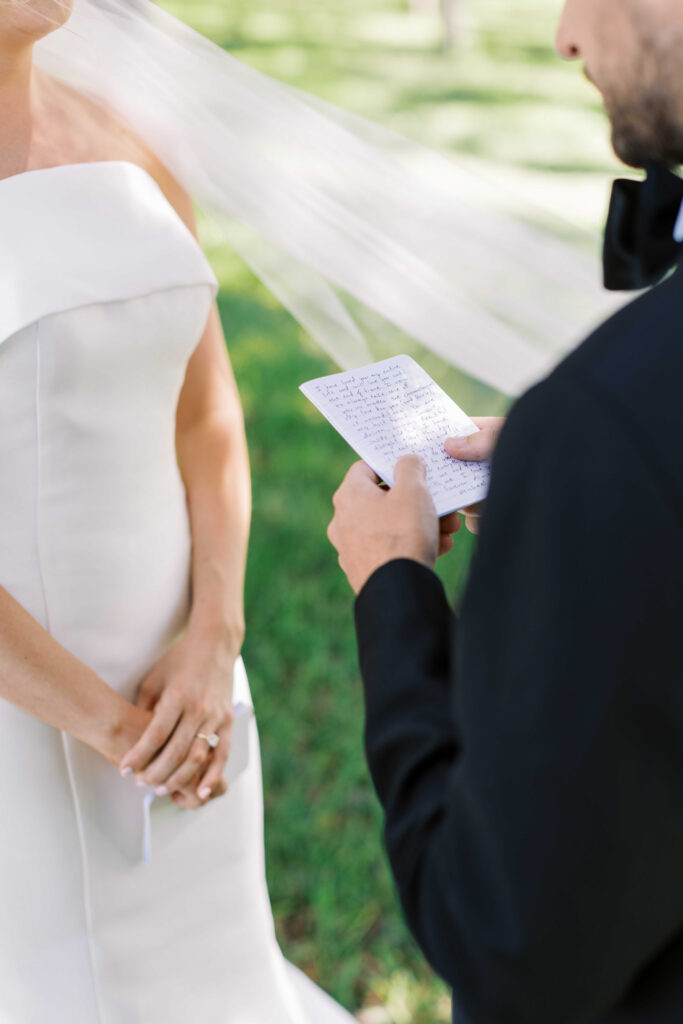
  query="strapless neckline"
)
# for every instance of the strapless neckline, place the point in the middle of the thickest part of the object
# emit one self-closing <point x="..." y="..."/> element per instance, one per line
<point x="77" y="167"/>
<point x="77" y="234"/>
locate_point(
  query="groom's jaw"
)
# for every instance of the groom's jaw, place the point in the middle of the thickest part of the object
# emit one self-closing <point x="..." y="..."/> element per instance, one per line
<point x="631" y="53"/>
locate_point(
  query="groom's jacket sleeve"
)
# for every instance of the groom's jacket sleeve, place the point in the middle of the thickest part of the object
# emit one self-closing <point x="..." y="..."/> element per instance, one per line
<point x="529" y="758"/>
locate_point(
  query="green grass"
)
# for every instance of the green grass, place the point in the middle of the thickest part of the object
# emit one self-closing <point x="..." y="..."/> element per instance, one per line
<point x="332" y="895"/>
<point x="506" y="104"/>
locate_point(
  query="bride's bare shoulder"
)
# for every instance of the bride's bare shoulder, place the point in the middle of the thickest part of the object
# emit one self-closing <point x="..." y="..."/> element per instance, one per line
<point x="103" y="134"/>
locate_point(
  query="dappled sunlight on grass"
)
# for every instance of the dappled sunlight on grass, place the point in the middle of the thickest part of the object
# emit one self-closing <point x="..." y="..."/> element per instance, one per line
<point x="402" y="1000"/>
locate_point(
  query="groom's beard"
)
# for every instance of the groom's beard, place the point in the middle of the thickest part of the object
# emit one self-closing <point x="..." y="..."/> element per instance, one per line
<point x="646" y="106"/>
<point x="647" y="130"/>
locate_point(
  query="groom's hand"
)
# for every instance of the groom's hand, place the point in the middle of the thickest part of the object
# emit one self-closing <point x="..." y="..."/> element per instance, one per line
<point x="476" y="448"/>
<point x="373" y="525"/>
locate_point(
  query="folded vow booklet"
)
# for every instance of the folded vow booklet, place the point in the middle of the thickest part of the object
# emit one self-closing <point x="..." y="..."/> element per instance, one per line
<point x="393" y="408"/>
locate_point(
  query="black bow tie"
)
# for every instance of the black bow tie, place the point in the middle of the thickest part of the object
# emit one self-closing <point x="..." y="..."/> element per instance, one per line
<point x="639" y="236"/>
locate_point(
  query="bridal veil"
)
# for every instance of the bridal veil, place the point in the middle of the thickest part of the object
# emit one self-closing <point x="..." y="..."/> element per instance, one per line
<point x="370" y="240"/>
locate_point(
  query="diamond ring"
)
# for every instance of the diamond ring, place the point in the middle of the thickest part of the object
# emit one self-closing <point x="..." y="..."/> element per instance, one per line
<point x="212" y="739"/>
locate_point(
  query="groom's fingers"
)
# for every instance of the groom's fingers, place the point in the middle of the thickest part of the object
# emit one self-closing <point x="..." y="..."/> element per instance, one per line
<point x="474" y="510"/>
<point x="473" y="518"/>
<point x="489" y="422"/>
<point x="479" y="446"/>
<point x="445" y="545"/>
<point x="361" y="471"/>
<point x="409" y="471"/>
<point x="359" y="481"/>
<point x="450" y="524"/>
<point x="474" y="447"/>
<point x="359" y="474"/>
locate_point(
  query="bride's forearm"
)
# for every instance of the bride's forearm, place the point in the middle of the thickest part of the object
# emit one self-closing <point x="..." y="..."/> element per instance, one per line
<point x="215" y="466"/>
<point x="214" y="463"/>
<point x="42" y="678"/>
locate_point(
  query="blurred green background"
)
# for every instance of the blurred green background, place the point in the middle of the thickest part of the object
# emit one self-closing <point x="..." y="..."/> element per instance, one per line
<point x="508" y="106"/>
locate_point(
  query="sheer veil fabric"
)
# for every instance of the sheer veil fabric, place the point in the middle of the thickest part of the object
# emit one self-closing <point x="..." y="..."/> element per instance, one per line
<point x="333" y="213"/>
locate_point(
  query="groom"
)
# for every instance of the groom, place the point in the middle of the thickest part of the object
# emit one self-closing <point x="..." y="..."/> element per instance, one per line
<point x="529" y="754"/>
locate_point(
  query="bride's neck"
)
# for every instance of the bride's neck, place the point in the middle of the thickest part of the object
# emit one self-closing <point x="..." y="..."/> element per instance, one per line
<point x="17" y="104"/>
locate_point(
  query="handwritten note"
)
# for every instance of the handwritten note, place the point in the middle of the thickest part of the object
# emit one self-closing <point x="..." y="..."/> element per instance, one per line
<point x="393" y="408"/>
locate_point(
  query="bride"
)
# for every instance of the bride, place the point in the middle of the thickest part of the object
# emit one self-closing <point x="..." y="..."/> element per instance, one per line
<point x="124" y="513"/>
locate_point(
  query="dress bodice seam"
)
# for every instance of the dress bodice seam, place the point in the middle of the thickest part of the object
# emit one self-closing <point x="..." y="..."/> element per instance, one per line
<point x="108" y="302"/>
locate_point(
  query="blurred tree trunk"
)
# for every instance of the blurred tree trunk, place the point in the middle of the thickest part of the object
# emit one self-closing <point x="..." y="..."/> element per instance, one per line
<point x="451" y="13"/>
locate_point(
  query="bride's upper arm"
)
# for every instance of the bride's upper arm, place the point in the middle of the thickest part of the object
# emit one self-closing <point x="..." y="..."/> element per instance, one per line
<point x="174" y="192"/>
<point x="209" y="386"/>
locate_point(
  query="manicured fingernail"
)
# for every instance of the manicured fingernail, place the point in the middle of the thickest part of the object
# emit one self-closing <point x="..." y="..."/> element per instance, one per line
<point x="204" y="793"/>
<point x="161" y="791"/>
<point x="125" y="772"/>
<point x="140" y="783"/>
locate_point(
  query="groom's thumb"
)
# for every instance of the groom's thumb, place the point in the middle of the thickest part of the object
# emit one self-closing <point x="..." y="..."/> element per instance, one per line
<point x="473" y="447"/>
<point x="409" y="471"/>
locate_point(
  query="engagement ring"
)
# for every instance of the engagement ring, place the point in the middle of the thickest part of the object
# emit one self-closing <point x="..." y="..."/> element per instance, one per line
<point x="212" y="739"/>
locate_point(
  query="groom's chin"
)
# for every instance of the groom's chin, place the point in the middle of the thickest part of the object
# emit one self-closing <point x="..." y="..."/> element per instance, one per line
<point x="638" y="142"/>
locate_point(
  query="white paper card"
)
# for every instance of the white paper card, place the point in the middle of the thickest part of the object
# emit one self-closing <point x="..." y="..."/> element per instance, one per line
<point x="393" y="408"/>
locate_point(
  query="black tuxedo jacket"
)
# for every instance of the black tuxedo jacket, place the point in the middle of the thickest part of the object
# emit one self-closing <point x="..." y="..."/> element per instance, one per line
<point x="529" y="755"/>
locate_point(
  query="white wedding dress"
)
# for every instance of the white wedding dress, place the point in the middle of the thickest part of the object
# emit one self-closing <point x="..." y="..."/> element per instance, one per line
<point x="103" y="296"/>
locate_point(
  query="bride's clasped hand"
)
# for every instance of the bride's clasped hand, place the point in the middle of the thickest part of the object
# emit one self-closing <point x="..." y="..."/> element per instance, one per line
<point x="125" y="494"/>
<point x="124" y="523"/>
<point x="188" y="695"/>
